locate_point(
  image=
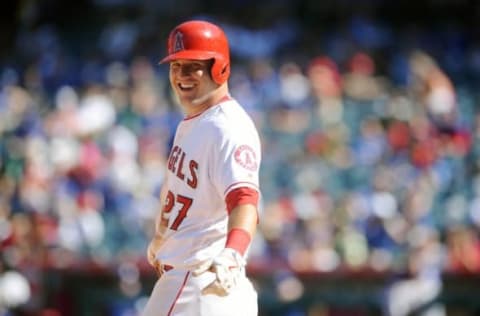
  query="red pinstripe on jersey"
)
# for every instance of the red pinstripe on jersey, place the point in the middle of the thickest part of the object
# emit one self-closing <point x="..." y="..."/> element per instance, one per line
<point x="242" y="184"/>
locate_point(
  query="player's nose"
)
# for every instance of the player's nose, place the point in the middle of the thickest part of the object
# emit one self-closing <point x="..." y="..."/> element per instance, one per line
<point x="185" y="70"/>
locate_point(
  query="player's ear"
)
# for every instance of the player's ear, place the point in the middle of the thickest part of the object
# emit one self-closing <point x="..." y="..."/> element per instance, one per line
<point x="210" y="64"/>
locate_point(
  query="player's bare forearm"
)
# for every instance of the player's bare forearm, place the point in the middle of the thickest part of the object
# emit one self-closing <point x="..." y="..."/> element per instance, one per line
<point x="230" y="263"/>
<point x="161" y="222"/>
<point x="244" y="217"/>
<point x="157" y="238"/>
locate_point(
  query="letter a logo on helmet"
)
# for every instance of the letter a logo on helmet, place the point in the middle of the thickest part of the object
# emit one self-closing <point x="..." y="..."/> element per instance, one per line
<point x="201" y="40"/>
<point x="178" y="42"/>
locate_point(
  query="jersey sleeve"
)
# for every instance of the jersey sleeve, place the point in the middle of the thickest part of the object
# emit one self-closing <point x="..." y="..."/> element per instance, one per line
<point x="236" y="162"/>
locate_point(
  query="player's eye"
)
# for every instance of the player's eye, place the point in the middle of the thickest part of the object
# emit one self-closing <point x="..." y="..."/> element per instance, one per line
<point x="197" y="66"/>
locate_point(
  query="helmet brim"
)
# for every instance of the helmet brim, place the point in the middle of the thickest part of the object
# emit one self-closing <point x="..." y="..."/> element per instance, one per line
<point x="189" y="54"/>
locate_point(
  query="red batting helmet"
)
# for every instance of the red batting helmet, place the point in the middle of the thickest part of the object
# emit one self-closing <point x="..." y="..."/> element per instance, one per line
<point x="200" y="40"/>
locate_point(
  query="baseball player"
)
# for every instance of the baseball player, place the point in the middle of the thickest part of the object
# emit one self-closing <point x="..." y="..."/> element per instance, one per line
<point x="210" y="195"/>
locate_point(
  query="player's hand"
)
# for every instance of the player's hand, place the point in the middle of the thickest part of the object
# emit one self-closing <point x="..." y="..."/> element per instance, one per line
<point x="153" y="247"/>
<point x="228" y="267"/>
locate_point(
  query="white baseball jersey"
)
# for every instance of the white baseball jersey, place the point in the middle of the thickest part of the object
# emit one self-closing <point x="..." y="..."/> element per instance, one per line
<point x="212" y="154"/>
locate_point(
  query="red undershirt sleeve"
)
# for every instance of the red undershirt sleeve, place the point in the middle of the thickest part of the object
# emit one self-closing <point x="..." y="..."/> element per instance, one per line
<point x="240" y="196"/>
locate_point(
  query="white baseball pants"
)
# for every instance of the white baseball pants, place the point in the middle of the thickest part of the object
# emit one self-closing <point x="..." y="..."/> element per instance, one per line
<point x="177" y="293"/>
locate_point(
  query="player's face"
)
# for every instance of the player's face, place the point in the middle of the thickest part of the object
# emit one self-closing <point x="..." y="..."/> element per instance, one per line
<point x="192" y="83"/>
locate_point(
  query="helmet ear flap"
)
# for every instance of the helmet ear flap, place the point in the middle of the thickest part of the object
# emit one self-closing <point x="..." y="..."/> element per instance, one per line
<point x="220" y="70"/>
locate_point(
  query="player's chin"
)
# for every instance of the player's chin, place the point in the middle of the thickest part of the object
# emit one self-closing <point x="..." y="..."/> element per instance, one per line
<point x="187" y="98"/>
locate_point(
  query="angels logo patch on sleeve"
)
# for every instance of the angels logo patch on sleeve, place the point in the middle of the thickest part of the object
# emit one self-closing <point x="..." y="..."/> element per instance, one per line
<point x="245" y="156"/>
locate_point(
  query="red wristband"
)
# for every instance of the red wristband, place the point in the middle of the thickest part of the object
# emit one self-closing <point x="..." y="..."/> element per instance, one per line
<point x="238" y="239"/>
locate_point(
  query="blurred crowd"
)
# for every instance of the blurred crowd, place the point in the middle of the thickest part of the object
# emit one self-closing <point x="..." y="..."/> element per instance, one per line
<point x="371" y="162"/>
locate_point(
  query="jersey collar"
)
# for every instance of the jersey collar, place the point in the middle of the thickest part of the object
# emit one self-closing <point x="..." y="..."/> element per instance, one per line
<point x="225" y="98"/>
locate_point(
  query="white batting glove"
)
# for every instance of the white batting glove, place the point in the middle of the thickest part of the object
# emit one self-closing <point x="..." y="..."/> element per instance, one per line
<point x="228" y="267"/>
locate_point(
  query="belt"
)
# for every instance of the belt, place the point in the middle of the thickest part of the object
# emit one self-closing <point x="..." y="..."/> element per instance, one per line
<point x="166" y="267"/>
<point x="162" y="268"/>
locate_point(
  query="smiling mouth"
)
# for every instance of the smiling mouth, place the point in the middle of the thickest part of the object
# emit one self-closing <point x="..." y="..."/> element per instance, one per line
<point x="185" y="87"/>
